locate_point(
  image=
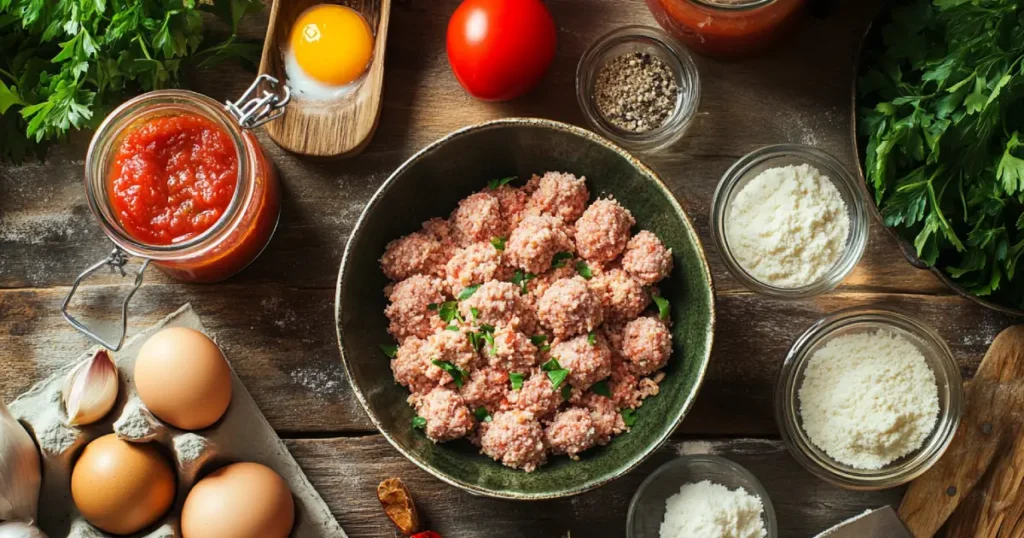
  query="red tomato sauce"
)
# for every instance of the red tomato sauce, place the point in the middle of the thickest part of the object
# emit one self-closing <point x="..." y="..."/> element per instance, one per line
<point x="172" y="178"/>
<point x="726" y="33"/>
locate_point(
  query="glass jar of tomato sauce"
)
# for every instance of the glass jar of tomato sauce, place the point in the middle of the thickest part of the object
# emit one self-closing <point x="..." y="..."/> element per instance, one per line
<point x="727" y="28"/>
<point x="179" y="180"/>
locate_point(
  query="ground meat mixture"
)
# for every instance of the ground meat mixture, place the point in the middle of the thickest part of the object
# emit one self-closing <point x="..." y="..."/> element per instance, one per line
<point x="515" y="438"/>
<point x="415" y="254"/>
<point x="646" y="258"/>
<point x="571" y="431"/>
<point x="534" y="243"/>
<point x="409" y="312"/>
<point x="446" y="414"/>
<point x="481" y="303"/>
<point x="562" y="195"/>
<point x="622" y="297"/>
<point x="603" y="231"/>
<point x="569" y="308"/>
<point x="473" y="265"/>
<point x="587" y="362"/>
<point x="477" y="219"/>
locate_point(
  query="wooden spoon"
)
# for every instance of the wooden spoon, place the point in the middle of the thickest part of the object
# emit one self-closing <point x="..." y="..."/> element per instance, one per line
<point x="336" y="128"/>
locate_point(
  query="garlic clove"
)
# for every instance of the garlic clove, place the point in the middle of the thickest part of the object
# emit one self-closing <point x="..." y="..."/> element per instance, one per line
<point x="90" y="390"/>
<point x="20" y="474"/>
<point x="17" y="529"/>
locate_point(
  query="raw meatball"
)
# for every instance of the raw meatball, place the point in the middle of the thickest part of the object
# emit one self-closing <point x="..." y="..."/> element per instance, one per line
<point x="513" y="204"/>
<point x="415" y="254"/>
<point x="623" y="386"/>
<point x="473" y="265"/>
<point x="534" y="243"/>
<point x="562" y="195"/>
<point x="441" y="230"/>
<point x="411" y="366"/>
<point x="537" y="286"/>
<point x="536" y="396"/>
<point x="499" y="304"/>
<point x="605" y="416"/>
<point x="571" y="432"/>
<point x="515" y="438"/>
<point x="512" y="351"/>
<point x="486" y="388"/>
<point x="646" y="258"/>
<point x="587" y="363"/>
<point x="569" y="308"/>
<point x="622" y="297"/>
<point x="446" y="414"/>
<point x="453" y="347"/>
<point x="478" y="218"/>
<point x="646" y="345"/>
<point x="409" y="313"/>
<point x="603" y="231"/>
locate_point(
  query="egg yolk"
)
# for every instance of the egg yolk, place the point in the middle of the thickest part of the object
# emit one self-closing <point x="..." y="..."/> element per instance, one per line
<point x="332" y="44"/>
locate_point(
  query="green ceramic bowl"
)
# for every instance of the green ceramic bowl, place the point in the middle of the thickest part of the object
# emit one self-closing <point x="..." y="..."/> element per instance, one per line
<point x="429" y="185"/>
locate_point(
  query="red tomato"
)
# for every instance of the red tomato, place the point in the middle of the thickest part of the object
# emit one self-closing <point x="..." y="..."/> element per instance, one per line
<point x="426" y="534"/>
<point x="499" y="49"/>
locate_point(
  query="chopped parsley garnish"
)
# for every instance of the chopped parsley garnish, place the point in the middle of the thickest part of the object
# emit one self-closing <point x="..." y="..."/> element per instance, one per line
<point x="540" y="341"/>
<point x="520" y="278"/>
<point x="559" y="260"/>
<point x="584" y="270"/>
<point x="498" y="243"/>
<point x="628" y="416"/>
<point x="567" y="392"/>
<point x="664" y="309"/>
<point x="433" y="307"/>
<point x="453" y="328"/>
<point x="489" y="338"/>
<point x="458" y="374"/>
<point x="419" y="422"/>
<point x="592" y="339"/>
<point x="468" y="292"/>
<point x="601" y="389"/>
<point x="389" y="350"/>
<point x="556" y="377"/>
<point x="551" y="365"/>
<point x="474" y="313"/>
<point x="516" y="379"/>
<point x="475" y="340"/>
<point x="449" y="311"/>
<point x="495" y="184"/>
<point x="482" y="414"/>
<point x="486" y="328"/>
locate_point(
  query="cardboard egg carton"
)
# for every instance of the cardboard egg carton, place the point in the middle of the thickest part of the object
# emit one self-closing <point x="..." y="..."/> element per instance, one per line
<point x="241" y="435"/>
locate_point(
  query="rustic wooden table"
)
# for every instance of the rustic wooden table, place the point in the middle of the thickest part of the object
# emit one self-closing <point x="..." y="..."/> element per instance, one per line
<point x="276" y="319"/>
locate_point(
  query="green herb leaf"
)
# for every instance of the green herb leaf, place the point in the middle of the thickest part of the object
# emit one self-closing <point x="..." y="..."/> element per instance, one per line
<point x="592" y="339"/>
<point x="449" y="311"/>
<point x="520" y="278"/>
<point x="492" y="346"/>
<point x="389" y="350"/>
<point x="557" y="377"/>
<point x="482" y="414"/>
<point x="498" y="243"/>
<point x="628" y="416"/>
<point x="433" y="307"/>
<point x="559" y="259"/>
<point x="495" y="184"/>
<point x="538" y="339"/>
<point x="453" y="328"/>
<point x="419" y="422"/>
<point x="566" y="391"/>
<point x="474" y="313"/>
<point x="486" y="328"/>
<point x="601" y="389"/>
<point x="468" y="292"/>
<point x="584" y="270"/>
<point x="458" y="375"/>
<point x="516" y="379"/>
<point x="664" y="308"/>
<point x="552" y="364"/>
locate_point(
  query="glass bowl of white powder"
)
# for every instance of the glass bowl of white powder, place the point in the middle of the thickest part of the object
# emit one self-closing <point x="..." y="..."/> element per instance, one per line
<point x="789" y="221"/>
<point x="701" y="495"/>
<point x="868" y="398"/>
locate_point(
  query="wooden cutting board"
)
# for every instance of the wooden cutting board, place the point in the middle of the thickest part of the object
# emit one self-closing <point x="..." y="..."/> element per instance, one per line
<point x="977" y="484"/>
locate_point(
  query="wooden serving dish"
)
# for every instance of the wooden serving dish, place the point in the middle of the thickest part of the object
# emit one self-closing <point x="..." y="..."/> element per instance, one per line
<point x="336" y="128"/>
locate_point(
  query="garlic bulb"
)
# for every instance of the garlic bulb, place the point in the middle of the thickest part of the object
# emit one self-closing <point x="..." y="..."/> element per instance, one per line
<point x="90" y="389"/>
<point x="17" y="529"/>
<point x="19" y="470"/>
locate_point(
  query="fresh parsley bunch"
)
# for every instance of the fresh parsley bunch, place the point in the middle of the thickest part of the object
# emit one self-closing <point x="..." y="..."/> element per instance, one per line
<point x="942" y="127"/>
<point x="65" y="63"/>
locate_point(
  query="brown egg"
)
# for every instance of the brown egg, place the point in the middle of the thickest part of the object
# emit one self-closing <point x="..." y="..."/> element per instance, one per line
<point x="242" y="500"/>
<point x="183" y="378"/>
<point x="122" y="487"/>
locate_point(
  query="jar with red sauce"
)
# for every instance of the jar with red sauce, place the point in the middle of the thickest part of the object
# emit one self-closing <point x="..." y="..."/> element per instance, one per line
<point x="727" y="29"/>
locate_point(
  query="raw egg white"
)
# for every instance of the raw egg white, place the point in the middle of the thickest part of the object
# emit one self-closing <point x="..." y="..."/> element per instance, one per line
<point x="328" y="52"/>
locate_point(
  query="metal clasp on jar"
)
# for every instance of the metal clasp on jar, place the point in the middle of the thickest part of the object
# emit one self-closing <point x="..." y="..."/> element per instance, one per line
<point x="260" y="104"/>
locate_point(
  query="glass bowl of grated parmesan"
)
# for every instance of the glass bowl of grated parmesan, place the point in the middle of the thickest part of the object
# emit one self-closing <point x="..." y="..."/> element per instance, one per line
<point x="868" y="398"/>
<point x="697" y="495"/>
<point x="789" y="221"/>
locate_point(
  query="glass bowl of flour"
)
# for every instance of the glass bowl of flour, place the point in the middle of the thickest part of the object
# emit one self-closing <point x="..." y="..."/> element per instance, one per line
<point x="789" y="221"/>
<point x="701" y="495"/>
<point x="868" y="398"/>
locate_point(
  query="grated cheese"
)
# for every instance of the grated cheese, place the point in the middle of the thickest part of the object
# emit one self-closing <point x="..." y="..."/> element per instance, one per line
<point x="707" y="510"/>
